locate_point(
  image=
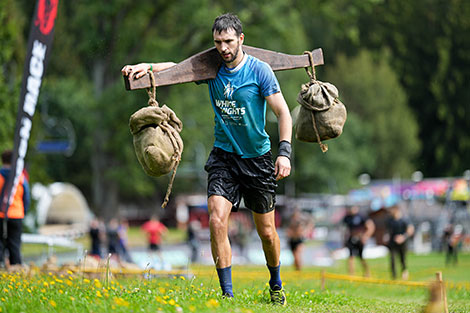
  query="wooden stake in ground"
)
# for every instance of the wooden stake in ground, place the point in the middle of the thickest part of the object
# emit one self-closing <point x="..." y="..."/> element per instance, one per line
<point x="437" y="296"/>
<point x="205" y="65"/>
<point x="323" y="279"/>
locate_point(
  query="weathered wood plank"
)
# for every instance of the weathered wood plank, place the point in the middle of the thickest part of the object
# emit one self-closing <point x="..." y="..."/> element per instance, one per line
<point x="205" y="65"/>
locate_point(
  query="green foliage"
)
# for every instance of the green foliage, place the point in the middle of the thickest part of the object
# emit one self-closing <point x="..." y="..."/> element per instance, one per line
<point x="423" y="43"/>
<point x="11" y="22"/>
<point x="429" y="43"/>
<point x="198" y="290"/>
<point x="371" y="89"/>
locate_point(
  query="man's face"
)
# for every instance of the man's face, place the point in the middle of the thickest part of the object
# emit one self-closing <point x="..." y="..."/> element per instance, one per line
<point x="228" y="44"/>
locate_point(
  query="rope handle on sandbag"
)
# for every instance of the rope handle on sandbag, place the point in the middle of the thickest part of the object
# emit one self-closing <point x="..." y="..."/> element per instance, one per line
<point x="152" y="92"/>
<point x="311" y="74"/>
<point x="313" y="77"/>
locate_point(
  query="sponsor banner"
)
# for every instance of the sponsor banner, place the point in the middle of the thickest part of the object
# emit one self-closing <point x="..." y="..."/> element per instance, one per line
<point x="39" y="46"/>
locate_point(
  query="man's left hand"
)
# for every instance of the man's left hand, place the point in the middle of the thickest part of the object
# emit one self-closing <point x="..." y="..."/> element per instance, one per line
<point x="282" y="167"/>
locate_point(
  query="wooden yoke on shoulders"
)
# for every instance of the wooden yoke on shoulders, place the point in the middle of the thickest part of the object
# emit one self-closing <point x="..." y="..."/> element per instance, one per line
<point x="205" y="65"/>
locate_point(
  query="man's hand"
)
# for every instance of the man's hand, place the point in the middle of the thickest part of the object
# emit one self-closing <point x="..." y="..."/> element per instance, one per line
<point x="399" y="239"/>
<point x="136" y="71"/>
<point x="282" y="167"/>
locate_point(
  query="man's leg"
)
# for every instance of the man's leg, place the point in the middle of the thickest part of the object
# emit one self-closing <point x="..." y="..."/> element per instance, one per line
<point x="392" y="262"/>
<point x="2" y="247"/>
<point x="266" y="228"/>
<point x="351" y="264"/>
<point x="219" y="213"/>
<point x="14" y="240"/>
<point x="404" y="270"/>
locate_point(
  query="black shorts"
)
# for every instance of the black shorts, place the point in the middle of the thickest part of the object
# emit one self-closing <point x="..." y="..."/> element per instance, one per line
<point x="355" y="246"/>
<point x="154" y="247"/>
<point x="233" y="177"/>
<point x="295" y="242"/>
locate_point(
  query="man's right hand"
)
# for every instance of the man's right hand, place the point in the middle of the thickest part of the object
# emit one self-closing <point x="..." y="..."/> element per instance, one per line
<point x="136" y="71"/>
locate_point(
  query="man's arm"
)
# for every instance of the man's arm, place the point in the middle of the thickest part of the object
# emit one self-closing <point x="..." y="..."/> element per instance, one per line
<point x="281" y="110"/>
<point x="141" y="69"/>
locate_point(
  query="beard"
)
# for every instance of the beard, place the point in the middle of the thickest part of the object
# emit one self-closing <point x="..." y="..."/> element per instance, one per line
<point x="237" y="50"/>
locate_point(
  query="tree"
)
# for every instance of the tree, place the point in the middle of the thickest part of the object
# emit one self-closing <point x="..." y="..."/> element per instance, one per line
<point x="11" y="55"/>
<point x="429" y="43"/>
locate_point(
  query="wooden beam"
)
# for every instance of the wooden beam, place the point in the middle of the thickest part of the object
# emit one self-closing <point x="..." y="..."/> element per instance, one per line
<point x="205" y="65"/>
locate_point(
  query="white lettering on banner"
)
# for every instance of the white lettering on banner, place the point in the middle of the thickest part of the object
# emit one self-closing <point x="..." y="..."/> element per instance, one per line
<point x="36" y="69"/>
<point x="33" y="84"/>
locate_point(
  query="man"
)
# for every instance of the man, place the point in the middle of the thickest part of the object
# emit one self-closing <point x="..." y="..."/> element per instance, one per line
<point x="240" y="164"/>
<point x="399" y="229"/>
<point x="297" y="231"/>
<point x="359" y="230"/>
<point x="15" y="212"/>
<point x="155" y="231"/>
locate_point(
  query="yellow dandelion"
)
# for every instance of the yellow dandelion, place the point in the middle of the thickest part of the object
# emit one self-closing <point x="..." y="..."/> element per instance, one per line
<point x="162" y="290"/>
<point x="182" y="278"/>
<point x="43" y="290"/>
<point x="69" y="283"/>
<point x="45" y="284"/>
<point x="212" y="303"/>
<point x="172" y="302"/>
<point x="29" y="290"/>
<point x="166" y="297"/>
<point x="52" y="302"/>
<point x="10" y="286"/>
<point x="3" y="299"/>
<point x="60" y="281"/>
<point x="72" y="298"/>
<point x="98" y="294"/>
<point x="69" y="272"/>
<point x="97" y="283"/>
<point x="86" y="281"/>
<point x="61" y="292"/>
<point x="121" y="302"/>
<point x="5" y="290"/>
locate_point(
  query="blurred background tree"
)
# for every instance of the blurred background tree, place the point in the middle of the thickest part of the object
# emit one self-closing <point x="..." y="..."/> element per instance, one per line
<point x="401" y="69"/>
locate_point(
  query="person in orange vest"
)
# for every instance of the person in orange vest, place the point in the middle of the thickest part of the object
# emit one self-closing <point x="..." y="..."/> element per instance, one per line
<point x="15" y="213"/>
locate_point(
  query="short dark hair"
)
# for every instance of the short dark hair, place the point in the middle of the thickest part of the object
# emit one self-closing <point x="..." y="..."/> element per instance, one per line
<point x="7" y="155"/>
<point x="227" y="21"/>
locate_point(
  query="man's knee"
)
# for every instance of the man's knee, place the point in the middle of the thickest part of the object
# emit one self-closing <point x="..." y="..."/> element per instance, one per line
<point x="217" y="223"/>
<point x="268" y="234"/>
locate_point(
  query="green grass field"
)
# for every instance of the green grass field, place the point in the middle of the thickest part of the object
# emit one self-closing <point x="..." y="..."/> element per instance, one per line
<point x="199" y="292"/>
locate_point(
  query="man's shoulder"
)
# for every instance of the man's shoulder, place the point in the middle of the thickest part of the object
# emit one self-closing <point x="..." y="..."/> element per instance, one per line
<point x="256" y="63"/>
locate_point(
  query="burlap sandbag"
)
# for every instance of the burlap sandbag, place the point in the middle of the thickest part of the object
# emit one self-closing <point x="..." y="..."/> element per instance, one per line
<point x="322" y="115"/>
<point x="157" y="142"/>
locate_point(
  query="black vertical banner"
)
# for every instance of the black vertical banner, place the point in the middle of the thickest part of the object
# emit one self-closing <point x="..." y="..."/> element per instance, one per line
<point x="39" y="46"/>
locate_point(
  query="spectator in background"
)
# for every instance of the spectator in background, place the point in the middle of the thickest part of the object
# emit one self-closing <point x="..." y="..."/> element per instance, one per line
<point x="155" y="231"/>
<point x="112" y="236"/>
<point x="451" y="238"/>
<point x="123" y="229"/>
<point x="299" y="227"/>
<point x="399" y="230"/>
<point x="15" y="213"/>
<point x="359" y="230"/>
<point x="194" y="227"/>
<point x="97" y="234"/>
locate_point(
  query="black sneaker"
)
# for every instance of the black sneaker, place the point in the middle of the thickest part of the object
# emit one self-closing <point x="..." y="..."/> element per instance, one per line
<point x="278" y="297"/>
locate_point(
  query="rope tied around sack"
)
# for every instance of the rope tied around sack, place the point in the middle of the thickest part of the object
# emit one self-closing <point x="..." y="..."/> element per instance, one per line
<point x="172" y="135"/>
<point x="313" y="79"/>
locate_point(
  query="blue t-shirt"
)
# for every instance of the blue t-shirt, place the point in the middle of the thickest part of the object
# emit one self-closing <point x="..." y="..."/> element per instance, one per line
<point x="238" y="99"/>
